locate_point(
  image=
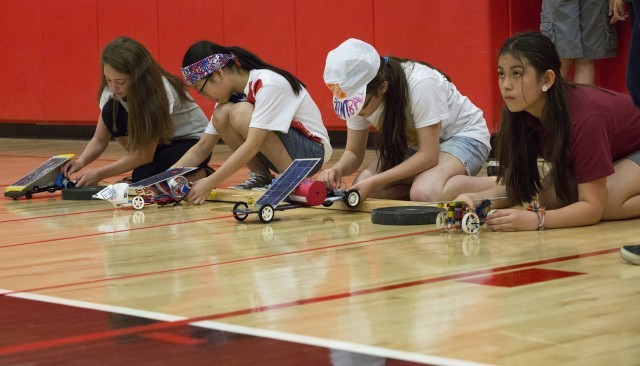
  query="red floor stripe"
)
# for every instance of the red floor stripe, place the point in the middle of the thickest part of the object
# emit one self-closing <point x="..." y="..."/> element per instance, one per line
<point x="137" y="275"/>
<point x="56" y="215"/>
<point x="173" y="338"/>
<point x="169" y="325"/>
<point x="111" y="232"/>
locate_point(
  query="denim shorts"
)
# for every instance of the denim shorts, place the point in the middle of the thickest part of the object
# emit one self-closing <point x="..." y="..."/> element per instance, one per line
<point x="635" y="157"/>
<point x="471" y="153"/>
<point x="299" y="147"/>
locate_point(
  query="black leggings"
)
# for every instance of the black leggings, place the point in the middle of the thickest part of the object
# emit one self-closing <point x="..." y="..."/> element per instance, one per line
<point x="165" y="155"/>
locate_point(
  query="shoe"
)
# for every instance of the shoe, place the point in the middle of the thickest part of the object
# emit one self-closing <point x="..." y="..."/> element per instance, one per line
<point x="631" y="253"/>
<point x="263" y="188"/>
<point x="492" y="168"/>
<point x="255" y="180"/>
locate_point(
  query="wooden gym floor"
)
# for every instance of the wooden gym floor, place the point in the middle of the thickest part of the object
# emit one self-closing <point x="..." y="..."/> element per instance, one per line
<point x="82" y="282"/>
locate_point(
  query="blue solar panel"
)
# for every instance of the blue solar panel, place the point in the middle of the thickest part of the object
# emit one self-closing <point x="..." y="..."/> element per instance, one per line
<point x="161" y="177"/>
<point x="287" y="182"/>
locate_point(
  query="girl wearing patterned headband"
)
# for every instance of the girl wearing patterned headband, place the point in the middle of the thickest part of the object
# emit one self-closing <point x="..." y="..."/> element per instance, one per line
<point x="263" y="113"/>
<point x="147" y="110"/>
<point x="588" y="138"/>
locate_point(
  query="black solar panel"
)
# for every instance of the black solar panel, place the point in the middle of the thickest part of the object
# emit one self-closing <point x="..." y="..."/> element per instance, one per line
<point x="287" y="181"/>
<point x="161" y="177"/>
<point x="39" y="172"/>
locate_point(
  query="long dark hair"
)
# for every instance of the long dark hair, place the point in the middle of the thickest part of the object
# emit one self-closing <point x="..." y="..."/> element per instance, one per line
<point x="246" y="60"/>
<point x="392" y="140"/>
<point x="519" y="145"/>
<point x="148" y="103"/>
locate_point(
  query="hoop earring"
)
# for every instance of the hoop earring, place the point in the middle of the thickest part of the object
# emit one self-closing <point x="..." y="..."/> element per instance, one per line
<point x="544" y="88"/>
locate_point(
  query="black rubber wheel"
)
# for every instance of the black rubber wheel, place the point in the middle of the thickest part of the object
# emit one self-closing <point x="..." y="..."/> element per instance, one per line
<point x="240" y="206"/>
<point x="405" y="215"/>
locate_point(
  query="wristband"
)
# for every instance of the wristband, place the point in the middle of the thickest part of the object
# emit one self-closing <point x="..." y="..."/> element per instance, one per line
<point x="536" y="207"/>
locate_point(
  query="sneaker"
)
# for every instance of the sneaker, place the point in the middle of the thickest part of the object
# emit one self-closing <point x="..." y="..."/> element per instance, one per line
<point x="631" y="253"/>
<point x="263" y="188"/>
<point x="492" y="168"/>
<point x="255" y="180"/>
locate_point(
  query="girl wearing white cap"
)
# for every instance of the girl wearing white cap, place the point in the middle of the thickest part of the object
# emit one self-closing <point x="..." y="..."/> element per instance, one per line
<point x="262" y="112"/>
<point x="432" y="138"/>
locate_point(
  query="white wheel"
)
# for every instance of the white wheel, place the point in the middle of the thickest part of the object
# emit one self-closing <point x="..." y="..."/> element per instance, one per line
<point x="137" y="202"/>
<point x="470" y="223"/>
<point x="266" y="213"/>
<point x="441" y="220"/>
<point x="352" y="199"/>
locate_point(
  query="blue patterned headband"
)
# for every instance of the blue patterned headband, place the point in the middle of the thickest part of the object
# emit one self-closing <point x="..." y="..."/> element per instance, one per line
<point x="206" y="66"/>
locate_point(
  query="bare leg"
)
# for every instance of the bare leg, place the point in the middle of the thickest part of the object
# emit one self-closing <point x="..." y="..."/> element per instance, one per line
<point x="272" y="147"/>
<point x="394" y="191"/>
<point x="232" y="123"/>
<point x="584" y="71"/>
<point x="565" y="66"/>
<point x="446" y="181"/>
<point x="623" y="192"/>
<point x="459" y="184"/>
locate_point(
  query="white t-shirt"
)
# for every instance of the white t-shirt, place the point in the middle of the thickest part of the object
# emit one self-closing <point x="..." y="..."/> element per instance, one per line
<point x="433" y="99"/>
<point x="277" y="108"/>
<point x="189" y="121"/>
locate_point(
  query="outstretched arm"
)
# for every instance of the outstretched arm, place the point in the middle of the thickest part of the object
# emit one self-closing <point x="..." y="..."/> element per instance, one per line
<point x="588" y="210"/>
<point x="350" y="160"/>
<point x="202" y="188"/>
<point x="96" y="146"/>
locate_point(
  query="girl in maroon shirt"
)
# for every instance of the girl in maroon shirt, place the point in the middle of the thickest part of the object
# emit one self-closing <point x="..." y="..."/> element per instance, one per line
<point x="588" y="137"/>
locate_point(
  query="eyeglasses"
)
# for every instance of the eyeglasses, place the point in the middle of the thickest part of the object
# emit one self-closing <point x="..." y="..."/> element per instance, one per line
<point x="200" y="91"/>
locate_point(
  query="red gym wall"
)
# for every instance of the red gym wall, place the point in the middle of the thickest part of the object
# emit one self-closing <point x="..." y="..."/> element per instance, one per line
<point x="49" y="68"/>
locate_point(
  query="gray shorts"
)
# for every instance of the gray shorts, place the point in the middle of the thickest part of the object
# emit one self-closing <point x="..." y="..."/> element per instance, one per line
<point x="471" y="153"/>
<point x="635" y="157"/>
<point x="579" y="28"/>
<point x="299" y="147"/>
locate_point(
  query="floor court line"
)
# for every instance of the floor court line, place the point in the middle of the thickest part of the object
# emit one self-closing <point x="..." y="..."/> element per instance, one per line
<point x="184" y="321"/>
<point x="294" y="252"/>
<point x="168" y="322"/>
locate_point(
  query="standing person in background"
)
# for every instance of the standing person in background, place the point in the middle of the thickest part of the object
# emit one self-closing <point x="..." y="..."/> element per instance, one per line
<point x="631" y="253"/>
<point x="147" y="110"/>
<point x="590" y="138"/>
<point x="276" y="123"/>
<point x="581" y="32"/>
<point x="618" y="12"/>
<point x="432" y="138"/>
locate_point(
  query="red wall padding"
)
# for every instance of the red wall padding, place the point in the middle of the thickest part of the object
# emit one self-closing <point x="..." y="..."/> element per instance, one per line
<point x="50" y="49"/>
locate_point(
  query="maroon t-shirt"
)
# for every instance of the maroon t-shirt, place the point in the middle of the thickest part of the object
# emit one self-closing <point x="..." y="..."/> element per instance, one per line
<point x="605" y="127"/>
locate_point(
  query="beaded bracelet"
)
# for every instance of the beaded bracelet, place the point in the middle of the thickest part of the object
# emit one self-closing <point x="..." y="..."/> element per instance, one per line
<point x="536" y="207"/>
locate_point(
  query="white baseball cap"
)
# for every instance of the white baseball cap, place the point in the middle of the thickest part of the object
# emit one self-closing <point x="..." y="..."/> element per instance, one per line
<point x="347" y="71"/>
